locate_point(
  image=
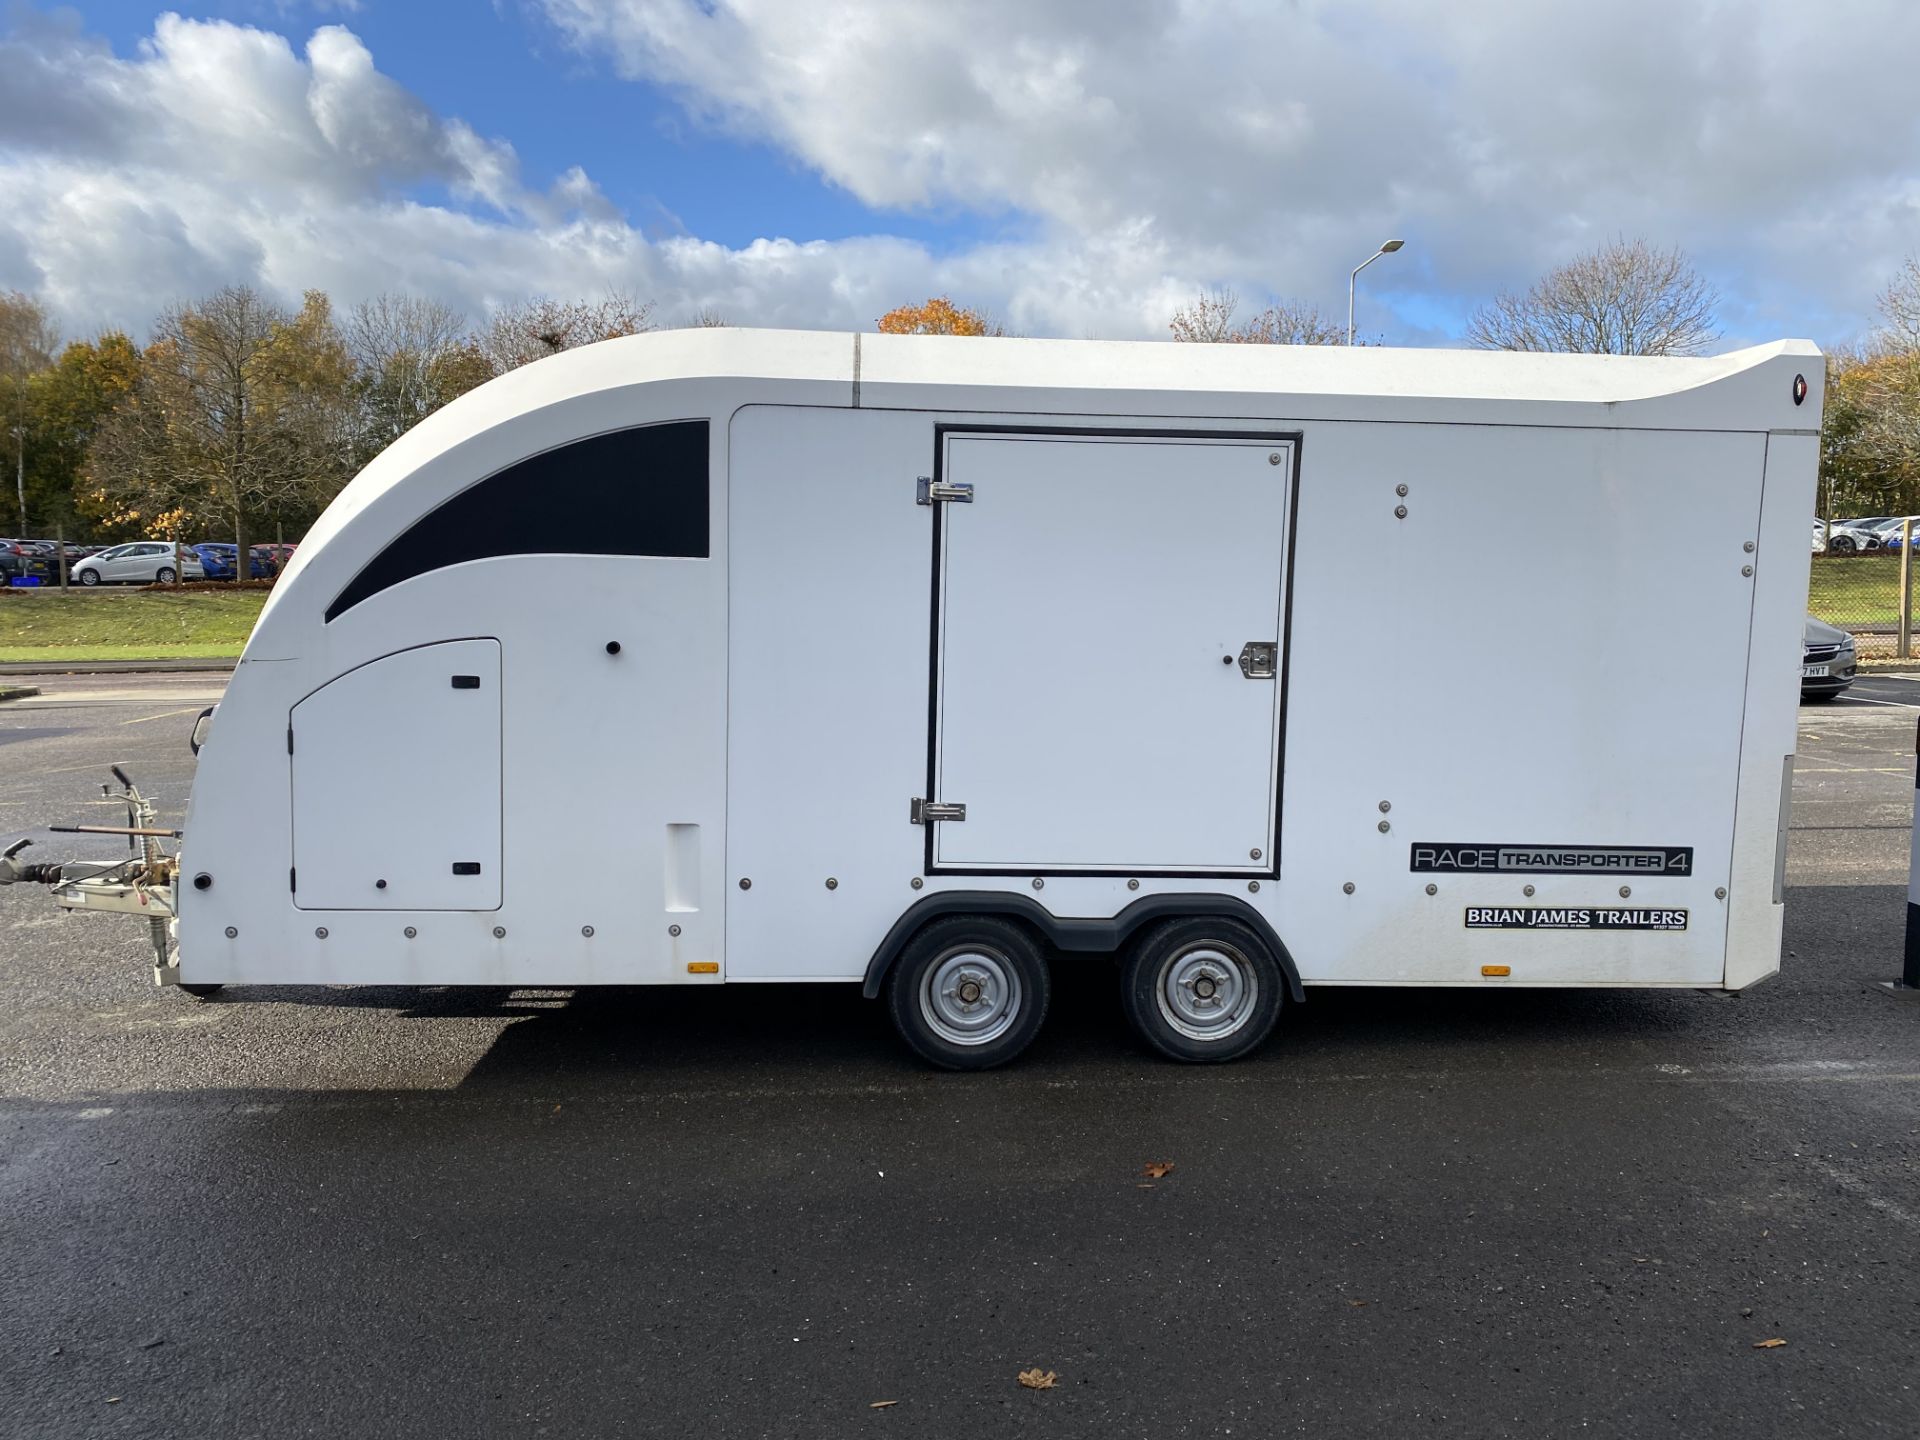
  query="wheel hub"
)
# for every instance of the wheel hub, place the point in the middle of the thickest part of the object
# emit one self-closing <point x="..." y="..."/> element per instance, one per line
<point x="1207" y="991"/>
<point x="971" y="996"/>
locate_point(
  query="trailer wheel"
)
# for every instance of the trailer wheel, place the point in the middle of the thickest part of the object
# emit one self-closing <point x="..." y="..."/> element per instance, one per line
<point x="969" y="992"/>
<point x="1202" y="988"/>
<point x="201" y="992"/>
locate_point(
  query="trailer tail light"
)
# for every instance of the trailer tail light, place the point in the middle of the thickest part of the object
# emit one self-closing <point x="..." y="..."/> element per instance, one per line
<point x="1496" y="970"/>
<point x="703" y="967"/>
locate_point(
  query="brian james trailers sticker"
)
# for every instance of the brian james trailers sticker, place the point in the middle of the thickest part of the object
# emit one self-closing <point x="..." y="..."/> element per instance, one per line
<point x="1594" y="917"/>
<point x="1430" y="858"/>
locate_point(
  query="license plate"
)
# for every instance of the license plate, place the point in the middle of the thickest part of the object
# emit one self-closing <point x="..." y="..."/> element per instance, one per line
<point x="1813" y="672"/>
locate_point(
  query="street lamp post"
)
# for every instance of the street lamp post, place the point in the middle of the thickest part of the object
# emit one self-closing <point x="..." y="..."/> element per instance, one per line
<point x="1386" y="249"/>
<point x="20" y="472"/>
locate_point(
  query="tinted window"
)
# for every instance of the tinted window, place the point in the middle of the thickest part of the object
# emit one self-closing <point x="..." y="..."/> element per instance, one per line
<point x="645" y="489"/>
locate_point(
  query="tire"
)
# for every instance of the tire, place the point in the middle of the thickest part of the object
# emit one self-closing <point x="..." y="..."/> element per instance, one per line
<point x="89" y="577"/>
<point x="1841" y="545"/>
<point x="1202" y="988"/>
<point x="165" y="575"/>
<point x="201" y="992"/>
<point x="969" y="992"/>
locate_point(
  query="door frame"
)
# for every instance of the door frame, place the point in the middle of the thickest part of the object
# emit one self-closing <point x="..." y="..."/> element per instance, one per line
<point x="1294" y="439"/>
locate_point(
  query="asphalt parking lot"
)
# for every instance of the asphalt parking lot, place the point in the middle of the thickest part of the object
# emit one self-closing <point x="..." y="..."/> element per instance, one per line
<point x="748" y="1212"/>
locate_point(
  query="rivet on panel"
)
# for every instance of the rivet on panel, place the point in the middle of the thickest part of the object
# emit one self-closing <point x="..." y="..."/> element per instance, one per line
<point x="1720" y="893"/>
<point x="1527" y="890"/>
<point x="745" y="883"/>
<point x="410" y="932"/>
<point x="1253" y="887"/>
<point x="1748" y="547"/>
<point x="1433" y="889"/>
<point x="1273" y="457"/>
<point x="234" y="934"/>
<point x="1348" y="887"/>
<point x="499" y="932"/>
<point x="1038" y="883"/>
<point x="1399" y="512"/>
<point x="1401" y="491"/>
<point x="1254" y="854"/>
<point x="587" y="931"/>
<point x="613" y="647"/>
<point x="320" y="932"/>
<point x="1133" y="884"/>
<point x="1625" y="891"/>
<point x="674" y="930"/>
<point x="1385" y="826"/>
<point x="916" y="882"/>
<point x="832" y="884"/>
<point x="203" y="881"/>
<point x="1746" y="569"/>
<point x="1385" y="806"/>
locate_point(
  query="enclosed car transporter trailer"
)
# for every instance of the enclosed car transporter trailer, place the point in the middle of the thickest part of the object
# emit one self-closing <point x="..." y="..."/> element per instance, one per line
<point x="928" y="663"/>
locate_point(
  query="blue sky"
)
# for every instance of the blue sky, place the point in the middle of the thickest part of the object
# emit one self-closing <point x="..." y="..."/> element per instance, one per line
<point x="1079" y="167"/>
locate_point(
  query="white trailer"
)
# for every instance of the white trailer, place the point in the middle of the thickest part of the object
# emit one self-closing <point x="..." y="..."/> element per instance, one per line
<point x="928" y="663"/>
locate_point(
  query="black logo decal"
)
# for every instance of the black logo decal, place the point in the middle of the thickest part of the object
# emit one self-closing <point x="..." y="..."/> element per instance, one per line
<point x="1434" y="857"/>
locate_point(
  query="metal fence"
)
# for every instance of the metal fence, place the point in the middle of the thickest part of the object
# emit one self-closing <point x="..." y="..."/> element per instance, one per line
<point x="1870" y="592"/>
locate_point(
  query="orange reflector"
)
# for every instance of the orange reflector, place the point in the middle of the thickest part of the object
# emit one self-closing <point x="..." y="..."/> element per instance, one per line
<point x="1496" y="970"/>
<point x="703" y="967"/>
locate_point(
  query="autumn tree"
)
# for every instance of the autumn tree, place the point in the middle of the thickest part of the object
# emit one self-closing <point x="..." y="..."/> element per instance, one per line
<point x="938" y="315"/>
<point x="27" y="341"/>
<point x="240" y="409"/>
<point x="530" y="330"/>
<point x="67" y="404"/>
<point x="1209" y="319"/>
<point x="1624" y="298"/>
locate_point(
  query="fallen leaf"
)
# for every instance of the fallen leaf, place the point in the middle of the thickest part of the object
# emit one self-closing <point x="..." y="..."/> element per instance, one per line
<point x="1773" y="1344"/>
<point x="1038" y="1379"/>
<point x="1356" y="1303"/>
<point x="882" y="1404"/>
<point x="1157" y="1169"/>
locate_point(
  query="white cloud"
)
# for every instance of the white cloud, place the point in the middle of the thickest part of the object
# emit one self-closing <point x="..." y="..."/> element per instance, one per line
<point x="1145" y="147"/>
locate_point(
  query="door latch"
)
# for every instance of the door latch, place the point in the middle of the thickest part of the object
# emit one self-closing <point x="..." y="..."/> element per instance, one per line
<point x="929" y="492"/>
<point x="1260" y="659"/>
<point x="925" y="812"/>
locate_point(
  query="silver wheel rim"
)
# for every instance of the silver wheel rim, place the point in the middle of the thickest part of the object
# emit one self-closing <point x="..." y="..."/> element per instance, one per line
<point x="1207" y="991"/>
<point x="970" y="995"/>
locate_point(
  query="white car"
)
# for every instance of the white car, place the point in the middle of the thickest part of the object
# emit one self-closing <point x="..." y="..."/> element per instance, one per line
<point x="1848" y="536"/>
<point x="143" y="562"/>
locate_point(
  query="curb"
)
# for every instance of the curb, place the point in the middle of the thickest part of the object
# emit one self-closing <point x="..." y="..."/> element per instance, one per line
<point x="17" y="692"/>
<point x="117" y="667"/>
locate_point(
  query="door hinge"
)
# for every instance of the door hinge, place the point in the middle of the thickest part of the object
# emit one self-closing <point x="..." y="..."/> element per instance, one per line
<point x="930" y="492"/>
<point x="1260" y="659"/>
<point x="925" y="812"/>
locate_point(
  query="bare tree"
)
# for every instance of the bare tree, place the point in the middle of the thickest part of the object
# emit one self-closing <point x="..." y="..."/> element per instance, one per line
<point x="1209" y="319"/>
<point x="27" y="343"/>
<point x="706" y="319"/>
<point x="1900" y="307"/>
<point x="530" y="330"/>
<point x="404" y="348"/>
<point x="1625" y="298"/>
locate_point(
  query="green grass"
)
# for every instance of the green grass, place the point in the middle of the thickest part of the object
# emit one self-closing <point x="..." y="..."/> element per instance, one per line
<point x="127" y="624"/>
<point x="1856" y="589"/>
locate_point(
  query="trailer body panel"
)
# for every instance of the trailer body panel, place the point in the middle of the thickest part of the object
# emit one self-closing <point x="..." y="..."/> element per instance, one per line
<point x="1536" y="612"/>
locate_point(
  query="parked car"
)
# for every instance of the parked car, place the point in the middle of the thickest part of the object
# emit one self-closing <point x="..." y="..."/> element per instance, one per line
<point x="220" y="561"/>
<point x="24" y="559"/>
<point x="142" y="562"/>
<point x="1819" y="537"/>
<point x="1827" y="660"/>
<point x="1845" y="537"/>
<point x="278" y="553"/>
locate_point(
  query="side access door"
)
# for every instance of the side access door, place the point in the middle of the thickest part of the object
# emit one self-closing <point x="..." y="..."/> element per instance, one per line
<point x="1110" y="651"/>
